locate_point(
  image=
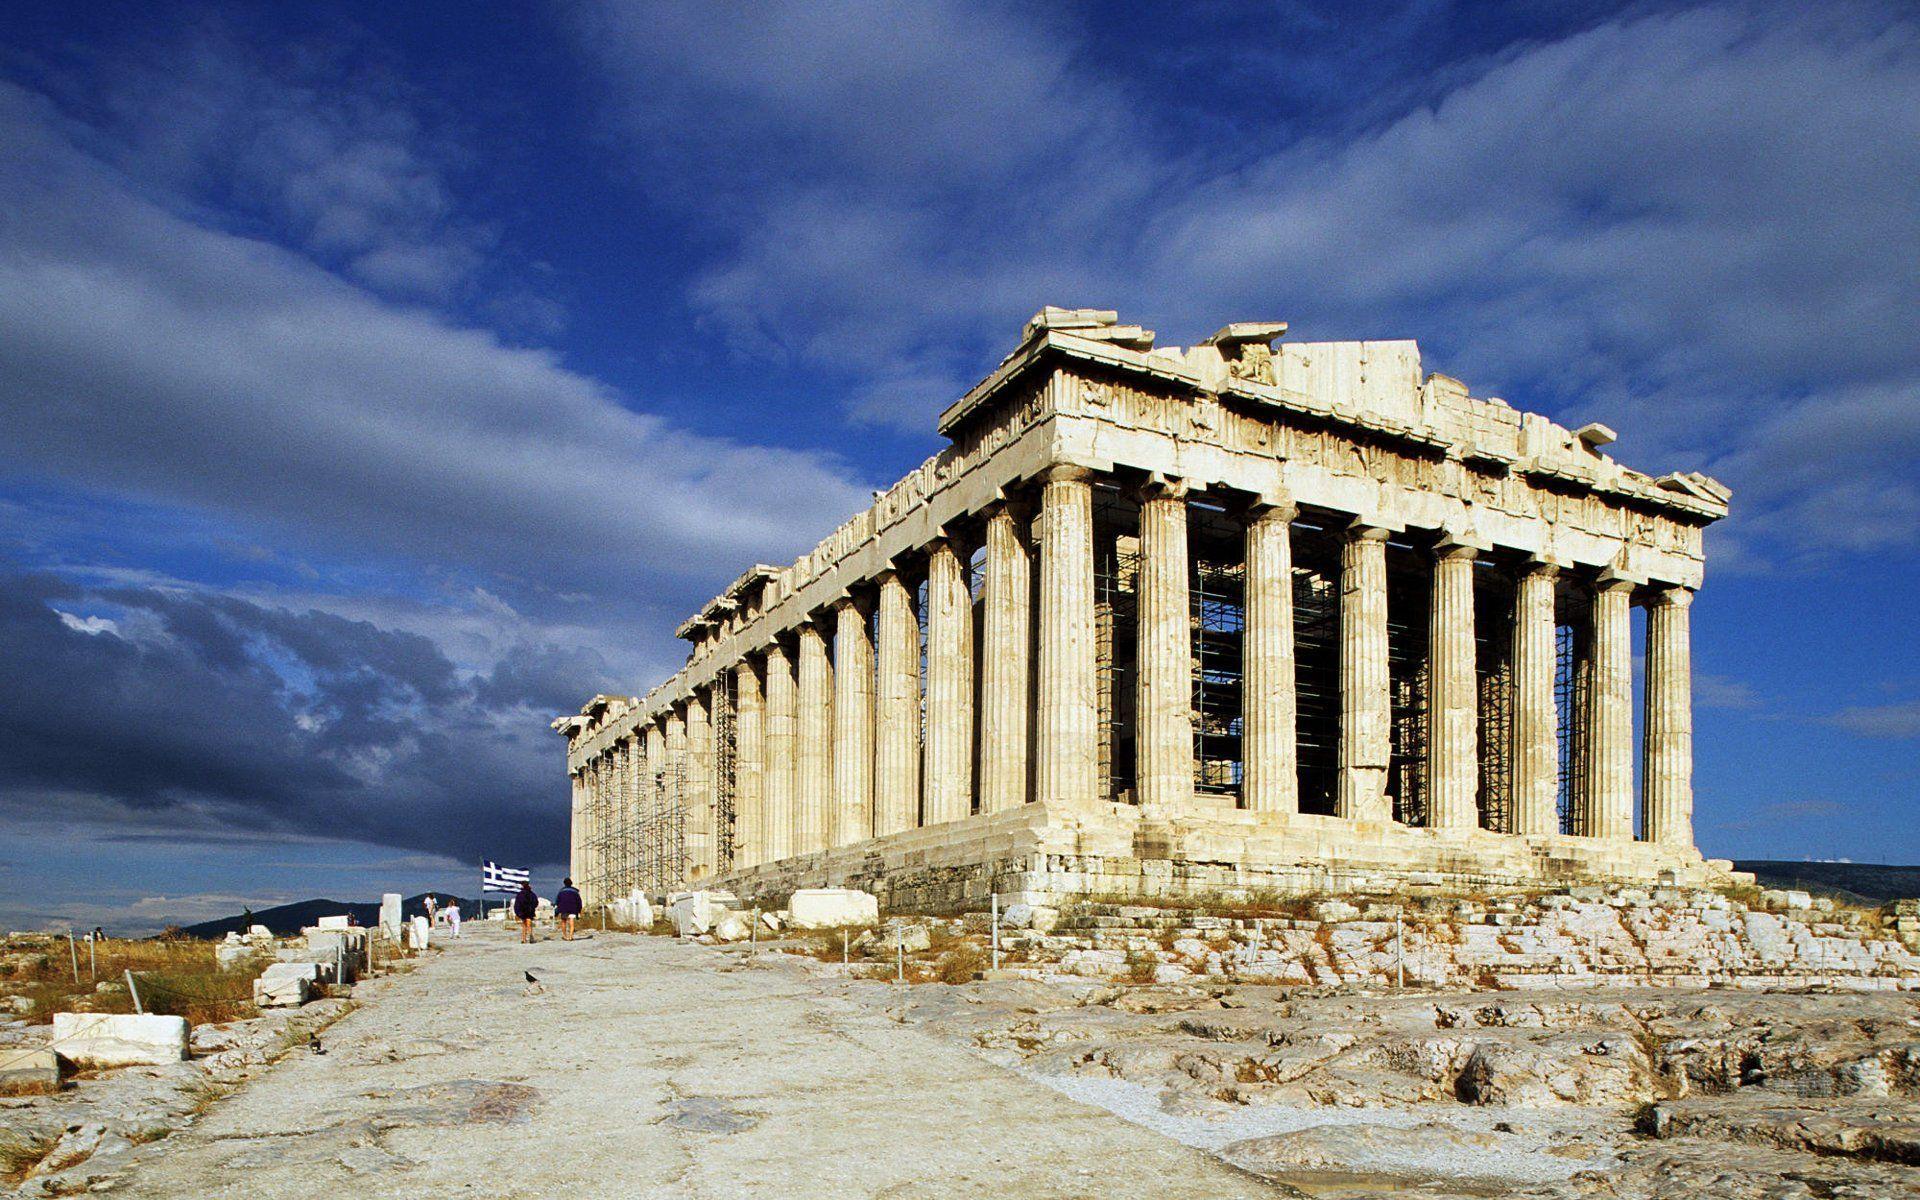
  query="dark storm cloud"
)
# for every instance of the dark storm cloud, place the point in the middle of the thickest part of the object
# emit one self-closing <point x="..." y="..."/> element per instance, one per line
<point x="212" y="708"/>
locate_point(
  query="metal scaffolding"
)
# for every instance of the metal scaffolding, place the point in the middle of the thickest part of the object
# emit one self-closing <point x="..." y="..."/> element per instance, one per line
<point x="1217" y="590"/>
<point x="1316" y="649"/>
<point x="661" y="830"/>
<point x="1116" y="615"/>
<point x="1493" y="595"/>
<point x="1572" y="679"/>
<point x="1409" y="593"/>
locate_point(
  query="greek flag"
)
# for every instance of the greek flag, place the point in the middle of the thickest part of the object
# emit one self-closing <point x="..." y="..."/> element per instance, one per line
<point x="496" y="878"/>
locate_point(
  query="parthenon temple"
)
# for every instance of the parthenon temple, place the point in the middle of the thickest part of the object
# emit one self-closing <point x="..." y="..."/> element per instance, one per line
<point x="1252" y="614"/>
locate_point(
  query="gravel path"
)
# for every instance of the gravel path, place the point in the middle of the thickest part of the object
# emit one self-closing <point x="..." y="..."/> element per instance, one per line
<point x="647" y="1068"/>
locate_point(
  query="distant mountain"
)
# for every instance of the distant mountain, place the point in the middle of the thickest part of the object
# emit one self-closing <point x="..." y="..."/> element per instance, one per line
<point x="292" y="918"/>
<point x="1863" y="883"/>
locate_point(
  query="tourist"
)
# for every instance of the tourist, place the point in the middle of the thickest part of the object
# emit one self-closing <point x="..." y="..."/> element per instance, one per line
<point x="566" y="907"/>
<point x="432" y="909"/>
<point x="453" y="917"/>
<point x="525" y="905"/>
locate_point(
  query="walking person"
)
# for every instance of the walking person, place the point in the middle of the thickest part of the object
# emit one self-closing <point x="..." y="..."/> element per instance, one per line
<point x="453" y="917"/>
<point x="525" y="905"/>
<point x="567" y="906"/>
<point x="432" y="909"/>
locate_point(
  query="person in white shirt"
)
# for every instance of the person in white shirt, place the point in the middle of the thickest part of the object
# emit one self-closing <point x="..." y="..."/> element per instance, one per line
<point x="453" y="918"/>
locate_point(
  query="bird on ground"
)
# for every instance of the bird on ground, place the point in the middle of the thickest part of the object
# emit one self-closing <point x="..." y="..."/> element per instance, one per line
<point x="313" y="1044"/>
<point x="530" y="978"/>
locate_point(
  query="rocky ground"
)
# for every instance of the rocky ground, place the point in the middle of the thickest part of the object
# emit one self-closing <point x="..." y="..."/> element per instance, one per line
<point x="648" y="1065"/>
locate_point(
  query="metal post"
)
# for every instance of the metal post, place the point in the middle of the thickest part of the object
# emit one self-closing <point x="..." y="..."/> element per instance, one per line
<point x="996" y="931"/>
<point x="843" y="947"/>
<point x="753" y="934"/>
<point x="134" y="992"/>
<point x="93" y="959"/>
<point x="1399" y="952"/>
<point x="900" y="955"/>
<point x="74" y="950"/>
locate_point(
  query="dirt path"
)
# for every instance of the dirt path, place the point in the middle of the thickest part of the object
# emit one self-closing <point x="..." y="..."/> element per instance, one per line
<point x="650" y="1068"/>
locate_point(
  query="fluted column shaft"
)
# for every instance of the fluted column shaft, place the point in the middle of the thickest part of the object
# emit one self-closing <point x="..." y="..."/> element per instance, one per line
<point x="673" y="864"/>
<point x="1365" y="716"/>
<point x="1163" y="723"/>
<point x="699" y="798"/>
<point x="949" y="777"/>
<point x="852" y="725"/>
<point x="782" y="700"/>
<point x="1536" y="722"/>
<point x="813" y="753"/>
<point x="1066" y="760"/>
<point x="896" y="755"/>
<point x="1667" y="771"/>
<point x="749" y="767"/>
<point x="1269" y="706"/>
<point x="576" y="827"/>
<point x="1610" y="715"/>
<point x="647" y="853"/>
<point x="596" y="808"/>
<point x="1005" y="661"/>
<point x="1453" y="759"/>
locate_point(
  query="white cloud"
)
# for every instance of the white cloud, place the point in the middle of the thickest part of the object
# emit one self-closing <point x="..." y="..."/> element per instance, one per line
<point x="1893" y="721"/>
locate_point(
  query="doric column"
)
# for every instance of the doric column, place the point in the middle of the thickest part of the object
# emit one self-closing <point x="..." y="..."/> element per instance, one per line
<point x="1667" y="771"/>
<point x="1005" y="657"/>
<point x="1536" y="735"/>
<point x="1163" y="721"/>
<point x="1066" y="762"/>
<point x="852" y="724"/>
<point x="1610" y="714"/>
<point x="949" y="771"/>
<point x="632" y="781"/>
<point x="749" y="768"/>
<point x="1453" y="710"/>
<point x="778" y="783"/>
<point x="590" y="850"/>
<point x="674" y="865"/>
<point x="1268" y="706"/>
<point x="896" y="754"/>
<point x="1365" y="718"/>
<point x="699" y="798"/>
<point x="813" y="738"/>
<point x="574" y="828"/>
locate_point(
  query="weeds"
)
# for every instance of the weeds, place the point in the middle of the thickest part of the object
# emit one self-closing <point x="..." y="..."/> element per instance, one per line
<point x="176" y="978"/>
<point x="20" y="1153"/>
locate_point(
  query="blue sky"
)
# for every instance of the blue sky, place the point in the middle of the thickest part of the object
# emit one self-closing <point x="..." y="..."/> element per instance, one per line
<point x="378" y="380"/>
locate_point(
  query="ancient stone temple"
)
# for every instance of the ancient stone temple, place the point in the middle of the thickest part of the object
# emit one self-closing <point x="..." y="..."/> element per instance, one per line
<point x="1251" y="614"/>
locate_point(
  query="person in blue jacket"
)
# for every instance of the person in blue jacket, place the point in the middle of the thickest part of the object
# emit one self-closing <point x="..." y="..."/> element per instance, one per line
<point x="525" y="905"/>
<point x="567" y="906"/>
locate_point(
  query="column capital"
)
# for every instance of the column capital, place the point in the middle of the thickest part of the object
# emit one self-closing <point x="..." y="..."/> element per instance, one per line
<point x="1670" y="596"/>
<point x="1547" y="568"/>
<point x="1359" y="531"/>
<point x="1067" y="473"/>
<point x="1161" y="486"/>
<point x="1278" y="502"/>
<point x="1612" y="581"/>
<point x="847" y="600"/>
<point x="1451" y="540"/>
<point x="1455" y="551"/>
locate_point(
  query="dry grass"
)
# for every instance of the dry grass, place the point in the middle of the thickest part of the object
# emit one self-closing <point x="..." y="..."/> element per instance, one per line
<point x="960" y="963"/>
<point x="176" y="977"/>
<point x="20" y="1153"/>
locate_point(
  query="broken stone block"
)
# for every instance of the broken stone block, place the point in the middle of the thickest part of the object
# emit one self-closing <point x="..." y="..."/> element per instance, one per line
<point x="28" y="1070"/>
<point x="390" y="916"/>
<point x="419" y="934"/>
<point x="826" y="908"/>
<point x="733" y="927"/>
<point x="228" y="956"/>
<point x="259" y="933"/>
<point x="340" y="922"/>
<point x="120" y="1039"/>
<point x="1335" y="910"/>
<point x="694" y="913"/>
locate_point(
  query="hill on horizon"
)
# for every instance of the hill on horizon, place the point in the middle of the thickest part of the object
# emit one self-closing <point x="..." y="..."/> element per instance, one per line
<point x="1863" y="883"/>
<point x="286" y="919"/>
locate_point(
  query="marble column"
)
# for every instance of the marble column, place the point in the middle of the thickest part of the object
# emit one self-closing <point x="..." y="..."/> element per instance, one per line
<point x="1536" y="722"/>
<point x="896" y="754"/>
<point x="596" y="805"/>
<point x="1365" y="715"/>
<point x="778" y="783"/>
<point x="1269" y="706"/>
<point x="1667" y="768"/>
<point x="699" y="798"/>
<point x="673" y="857"/>
<point x="1453" y="709"/>
<point x="648" y="854"/>
<point x="1610" y="714"/>
<point x="576" y="828"/>
<point x="949" y="750"/>
<point x="1163" y="722"/>
<point x="852" y="724"/>
<point x="1066" y="758"/>
<point x="813" y="743"/>
<point x="749" y="767"/>
<point x="1005" y="660"/>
